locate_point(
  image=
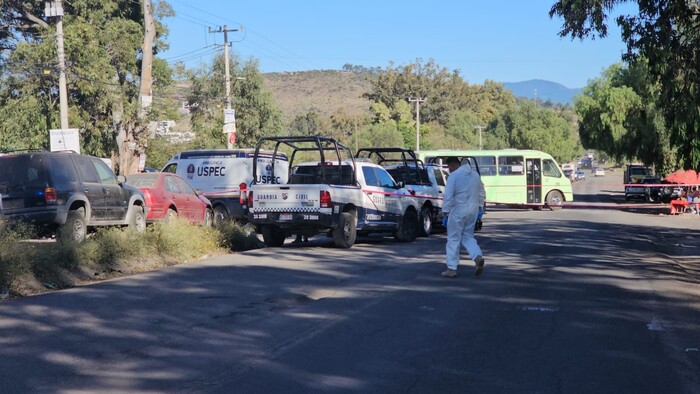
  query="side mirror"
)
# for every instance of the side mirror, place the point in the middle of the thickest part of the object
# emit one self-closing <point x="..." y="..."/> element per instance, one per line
<point x="121" y="179"/>
<point x="199" y="192"/>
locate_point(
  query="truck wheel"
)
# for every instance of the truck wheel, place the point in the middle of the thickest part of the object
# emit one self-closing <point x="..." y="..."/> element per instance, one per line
<point x="137" y="221"/>
<point x="273" y="236"/>
<point x="345" y="234"/>
<point x="208" y="218"/>
<point x="555" y="200"/>
<point x="426" y="220"/>
<point x="75" y="228"/>
<point x="220" y="214"/>
<point x="408" y="228"/>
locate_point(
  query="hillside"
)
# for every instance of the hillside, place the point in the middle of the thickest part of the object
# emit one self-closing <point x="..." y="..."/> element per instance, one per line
<point x="543" y="90"/>
<point x="297" y="92"/>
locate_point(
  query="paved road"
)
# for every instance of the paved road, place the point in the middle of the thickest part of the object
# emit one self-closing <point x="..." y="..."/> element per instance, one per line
<point x="579" y="300"/>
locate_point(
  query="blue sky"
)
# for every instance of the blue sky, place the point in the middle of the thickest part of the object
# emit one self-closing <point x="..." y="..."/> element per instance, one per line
<point x="502" y="40"/>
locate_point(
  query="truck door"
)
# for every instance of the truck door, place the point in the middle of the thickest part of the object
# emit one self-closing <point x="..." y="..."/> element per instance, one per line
<point x="375" y="208"/>
<point x="534" y="180"/>
<point x="392" y="204"/>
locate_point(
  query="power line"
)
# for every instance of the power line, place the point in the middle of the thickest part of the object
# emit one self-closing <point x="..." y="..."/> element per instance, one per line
<point x="187" y="53"/>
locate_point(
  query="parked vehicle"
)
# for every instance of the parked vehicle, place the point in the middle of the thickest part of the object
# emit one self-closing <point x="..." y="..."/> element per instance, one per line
<point x="425" y="183"/>
<point x="334" y="194"/>
<point x="515" y="177"/>
<point x="169" y="196"/>
<point x="635" y="174"/>
<point x="599" y="172"/>
<point x="580" y="175"/>
<point x="65" y="189"/>
<point x="647" y="189"/>
<point x="223" y="175"/>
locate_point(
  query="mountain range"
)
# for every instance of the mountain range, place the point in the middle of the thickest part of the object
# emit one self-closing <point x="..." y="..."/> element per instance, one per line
<point x="543" y="90"/>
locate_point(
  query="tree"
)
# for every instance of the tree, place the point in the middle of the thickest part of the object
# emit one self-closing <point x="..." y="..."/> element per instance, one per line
<point x="257" y="114"/>
<point x="309" y="124"/>
<point x="620" y="116"/>
<point x="667" y="35"/>
<point x="527" y="127"/>
<point x="103" y="44"/>
<point x="444" y="90"/>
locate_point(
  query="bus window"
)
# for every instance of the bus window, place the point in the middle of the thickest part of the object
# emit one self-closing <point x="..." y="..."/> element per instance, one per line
<point x="487" y="165"/>
<point x="550" y="169"/>
<point x="511" y="165"/>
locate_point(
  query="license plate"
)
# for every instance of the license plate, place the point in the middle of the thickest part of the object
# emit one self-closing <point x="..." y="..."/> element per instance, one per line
<point x="285" y="217"/>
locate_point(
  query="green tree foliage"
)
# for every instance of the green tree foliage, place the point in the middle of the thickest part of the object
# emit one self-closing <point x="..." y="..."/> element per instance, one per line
<point x="667" y="34"/>
<point x="309" y="124"/>
<point x="256" y="113"/>
<point x="528" y="127"/>
<point x="619" y="116"/>
<point x="102" y="46"/>
<point x="444" y="90"/>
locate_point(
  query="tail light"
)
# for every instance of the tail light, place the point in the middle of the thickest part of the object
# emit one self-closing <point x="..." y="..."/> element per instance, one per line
<point x="250" y="199"/>
<point x="243" y="196"/>
<point x="50" y="196"/>
<point x="148" y="198"/>
<point x="326" y="201"/>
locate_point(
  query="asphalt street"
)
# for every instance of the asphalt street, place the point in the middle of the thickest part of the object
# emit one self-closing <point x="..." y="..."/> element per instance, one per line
<point x="599" y="297"/>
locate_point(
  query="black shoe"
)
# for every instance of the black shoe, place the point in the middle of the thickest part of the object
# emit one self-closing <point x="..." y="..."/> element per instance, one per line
<point x="479" y="261"/>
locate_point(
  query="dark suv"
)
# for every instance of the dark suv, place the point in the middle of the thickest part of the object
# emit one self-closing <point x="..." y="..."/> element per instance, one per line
<point x="65" y="189"/>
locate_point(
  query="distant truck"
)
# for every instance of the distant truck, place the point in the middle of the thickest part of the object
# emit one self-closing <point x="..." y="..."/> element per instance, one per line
<point x="636" y="174"/>
<point x="223" y="175"/>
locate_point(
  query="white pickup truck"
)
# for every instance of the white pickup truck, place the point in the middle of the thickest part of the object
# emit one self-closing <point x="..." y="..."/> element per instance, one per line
<point x="426" y="183"/>
<point x="334" y="195"/>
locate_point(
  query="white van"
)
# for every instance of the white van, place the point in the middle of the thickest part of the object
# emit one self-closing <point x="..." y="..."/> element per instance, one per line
<point x="222" y="174"/>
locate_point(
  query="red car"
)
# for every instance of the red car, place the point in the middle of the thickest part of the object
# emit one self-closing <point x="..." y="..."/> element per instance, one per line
<point x="169" y="196"/>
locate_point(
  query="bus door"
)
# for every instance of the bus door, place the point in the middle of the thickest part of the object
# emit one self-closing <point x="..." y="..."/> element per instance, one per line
<point x="534" y="181"/>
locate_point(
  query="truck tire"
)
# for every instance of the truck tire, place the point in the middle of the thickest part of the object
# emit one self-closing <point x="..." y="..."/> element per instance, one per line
<point x="137" y="220"/>
<point x="273" y="236"/>
<point x="408" y="228"/>
<point x="555" y="200"/>
<point x="426" y="221"/>
<point x="75" y="228"/>
<point x="220" y="214"/>
<point x="345" y="234"/>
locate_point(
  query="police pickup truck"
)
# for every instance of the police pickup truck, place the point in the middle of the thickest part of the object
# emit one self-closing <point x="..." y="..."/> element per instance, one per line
<point x="334" y="194"/>
<point x="223" y="175"/>
<point x="425" y="183"/>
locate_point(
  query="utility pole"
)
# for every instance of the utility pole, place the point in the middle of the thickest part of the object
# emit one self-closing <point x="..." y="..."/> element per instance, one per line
<point x="229" y="115"/>
<point x="417" y="100"/>
<point x="55" y="9"/>
<point x="149" y="35"/>
<point x="480" y="128"/>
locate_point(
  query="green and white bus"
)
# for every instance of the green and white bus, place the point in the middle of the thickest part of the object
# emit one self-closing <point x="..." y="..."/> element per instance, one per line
<point x="514" y="176"/>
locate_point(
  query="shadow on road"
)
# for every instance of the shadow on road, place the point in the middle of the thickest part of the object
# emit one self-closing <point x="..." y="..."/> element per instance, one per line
<point x="558" y="298"/>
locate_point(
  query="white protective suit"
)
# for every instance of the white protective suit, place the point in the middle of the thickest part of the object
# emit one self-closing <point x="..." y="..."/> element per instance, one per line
<point x="464" y="196"/>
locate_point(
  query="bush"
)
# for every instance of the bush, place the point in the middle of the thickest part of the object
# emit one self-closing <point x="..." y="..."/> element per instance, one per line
<point x="62" y="263"/>
<point x="182" y="241"/>
<point x="238" y="238"/>
<point x="15" y="256"/>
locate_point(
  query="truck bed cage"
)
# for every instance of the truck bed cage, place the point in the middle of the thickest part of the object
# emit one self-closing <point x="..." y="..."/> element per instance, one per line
<point x="408" y="159"/>
<point x="307" y="144"/>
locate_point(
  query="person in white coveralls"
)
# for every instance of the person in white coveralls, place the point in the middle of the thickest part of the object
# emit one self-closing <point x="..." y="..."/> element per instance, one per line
<point x="463" y="200"/>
